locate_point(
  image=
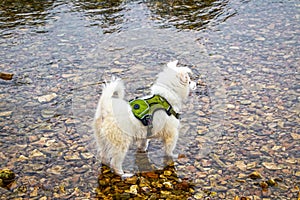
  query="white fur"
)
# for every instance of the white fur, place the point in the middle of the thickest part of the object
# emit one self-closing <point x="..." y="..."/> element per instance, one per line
<point x="115" y="126"/>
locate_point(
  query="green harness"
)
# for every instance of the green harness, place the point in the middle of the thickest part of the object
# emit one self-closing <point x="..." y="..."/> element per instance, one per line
<point x="143" y="109"/>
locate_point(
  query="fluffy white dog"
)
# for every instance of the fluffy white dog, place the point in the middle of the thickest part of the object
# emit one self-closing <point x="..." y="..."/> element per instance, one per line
<point x="116" y="126"/>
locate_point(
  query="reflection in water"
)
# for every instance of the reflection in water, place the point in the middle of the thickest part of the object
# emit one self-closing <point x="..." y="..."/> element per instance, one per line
<point x="189" y="14"/>
<point x="106" y="14"/>
<point x="111" y="15"/>
<point x="23" y="12"/>
<point x="158" y="184"/>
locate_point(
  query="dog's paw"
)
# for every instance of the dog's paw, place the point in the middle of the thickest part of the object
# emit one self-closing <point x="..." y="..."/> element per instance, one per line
<point x="126" y="175"/>
<point x="173" y="156"/>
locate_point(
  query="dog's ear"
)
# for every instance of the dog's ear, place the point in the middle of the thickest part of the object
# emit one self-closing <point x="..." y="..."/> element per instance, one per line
<point x="173" y="64"/>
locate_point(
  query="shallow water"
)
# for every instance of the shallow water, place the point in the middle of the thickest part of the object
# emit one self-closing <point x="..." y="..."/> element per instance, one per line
<point x="244" y="116"/>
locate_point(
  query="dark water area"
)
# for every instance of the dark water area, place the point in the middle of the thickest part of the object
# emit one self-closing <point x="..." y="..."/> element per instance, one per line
<point x="240" y="128"/>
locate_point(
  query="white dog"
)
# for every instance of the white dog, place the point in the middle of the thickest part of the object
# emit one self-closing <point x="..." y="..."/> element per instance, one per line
<point x="118" y="123"/>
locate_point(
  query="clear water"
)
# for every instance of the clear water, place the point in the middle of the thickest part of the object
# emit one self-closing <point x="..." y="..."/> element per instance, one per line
<point x="244" y="114"/>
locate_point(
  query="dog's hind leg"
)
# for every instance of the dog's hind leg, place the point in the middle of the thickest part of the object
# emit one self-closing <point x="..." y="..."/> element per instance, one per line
<point x="117" y="161"/>
<point x="170" y="141"/>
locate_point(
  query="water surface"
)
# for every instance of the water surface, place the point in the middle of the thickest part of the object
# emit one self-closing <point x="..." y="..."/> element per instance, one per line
<point x="244" y="116"/>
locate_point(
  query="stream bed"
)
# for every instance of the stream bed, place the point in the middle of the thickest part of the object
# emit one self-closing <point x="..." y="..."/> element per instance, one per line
<point x="240" y="133"/>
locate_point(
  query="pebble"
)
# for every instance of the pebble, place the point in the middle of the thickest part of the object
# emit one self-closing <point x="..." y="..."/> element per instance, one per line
<point x="72" y="157"/>
<point x="273" y="166"/>
<point x="5" y="114"/>
<point x="241" y="165"/>
<point x="47" y="113"/>
<point x="230" y="106"/>
<point x="246" y="102"/>
<point x="255" y="175"/>
<point x="36" y="153"/>
<point x="47" y="98"/>
<point x="55" y="170"/>
<point x="295" y="136"/>
<point x="22" y="158"/>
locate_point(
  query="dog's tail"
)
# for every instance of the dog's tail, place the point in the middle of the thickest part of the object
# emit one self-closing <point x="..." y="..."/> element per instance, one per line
<point x="114" y="88"/>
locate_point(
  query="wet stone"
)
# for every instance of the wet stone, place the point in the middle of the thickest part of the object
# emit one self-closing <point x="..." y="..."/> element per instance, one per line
<point x="47" y="113"/>
<point x="47" y="98"/>
<point x="57" y="170"/>
<point x="5" y="114"/>
<point x="36" y="153"/>
<point x="245" y="102"/>
<point x="255" y="175"/>
<point x="272" y="166"/>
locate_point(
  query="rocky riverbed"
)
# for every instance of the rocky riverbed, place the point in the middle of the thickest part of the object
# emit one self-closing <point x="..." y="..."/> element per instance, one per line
<point x="240" y="128"/>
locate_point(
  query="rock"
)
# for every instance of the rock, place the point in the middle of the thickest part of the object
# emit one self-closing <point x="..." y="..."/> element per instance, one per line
<point x="22" y="158"/>
<point x="6" y="76"/>
<point x="273" y="166"/>
<point x="138" y="67"/>
<point x="200" y="113"/>
<point x="234" y="47"/>
<point x="7" y="176"/>
<point x="68" y="75"/>
<point x="241" y="165"/>
<point x="251" y="165"/>
<point x="133" y="189"/>
<point x="165" y="192"/>
<point x="87" y="155"/>
<point x="72" y="121"/>
<point x="217" y="160"/>
<point x="220" y="188"/>
<point x="74" y="156"/>
<point x="131" y="180"/>
<point x="199" y="195"/>
<point x="151" y="175"/>
<point x="36" y="153"/>
<point x="49" y="143"/>
<point x="217" y="57"/>
<point x="5" y="113"/>
<point x="146" y="190"/>
<point x="55" y="170"/>
<point x="47" y="113"/>
<point x="255" y="175"/>
<point x="202" y="130"/>
<point x="230" y="106"/>
<point x="264" y="185"/>
<point x="295" y="136"/>
<point x="260" y="38"/>
<point x="168" y="185"/>
<point x="116" y="70"/>
<point x="167" y="173"/>
<point x="34" y="193"/>
<point x="47" y="98"/>
<point x="245" y="102"/>
<point x="272" y="182"/>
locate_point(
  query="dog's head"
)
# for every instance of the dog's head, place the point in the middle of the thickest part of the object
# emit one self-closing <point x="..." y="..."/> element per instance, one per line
<point x="177" y="79"/>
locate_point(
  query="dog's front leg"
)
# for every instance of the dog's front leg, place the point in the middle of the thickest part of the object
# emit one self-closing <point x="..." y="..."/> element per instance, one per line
<point x="170" y="141"/>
